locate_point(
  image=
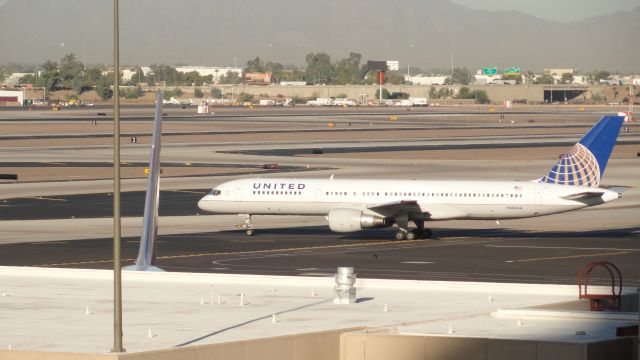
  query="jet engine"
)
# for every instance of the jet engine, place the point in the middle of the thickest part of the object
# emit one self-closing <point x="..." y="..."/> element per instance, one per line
<point x="352" y="220"/>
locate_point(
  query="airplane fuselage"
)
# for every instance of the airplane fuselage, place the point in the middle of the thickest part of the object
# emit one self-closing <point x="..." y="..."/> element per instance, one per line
<point x="354" y="205"/>
<point x="439" y="200"/>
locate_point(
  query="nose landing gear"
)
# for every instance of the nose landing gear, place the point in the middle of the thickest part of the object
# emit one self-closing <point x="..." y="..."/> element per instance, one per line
<point x="247" y="225"/>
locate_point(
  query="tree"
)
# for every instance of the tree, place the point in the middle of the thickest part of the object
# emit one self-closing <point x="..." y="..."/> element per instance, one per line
<point x="255" y="65"/>
<point x="92" y="75"/>
<point x="71" y="71"/>
<point x="166" y="73"/>
<point x="2" y="75"/>
<point x="50" y="76"/>
<point x="479" y="95"/>
<point x="290" y="75"/>
<point x="216" y="93"/>
<point x="103" y="87"/>
<point x="393" y="77"/>
<point x="529" y="76"/>
<point x="319" y="69"/>
<point x="545" y="79"/>
<point x="567" y="78"/>
<point x="460" y="76"/>
<point x="273" y="67"/>
<point x="138" y="77"/>
<point x="231" y="77"/>
<point x="244" y="97"/>
<point x="370" y="78"/>
<point x="385" y="93"/>
<point x="440" y="93"/>
<point x="482" y="97"/>
<point x="168" y="94"/>
<point x="516" y="78"/>
<point x="347" y="71"/>
<point x="27" y="79"/>
<point x="197" y="93"/>
<point x="133" y="94"/>
<point x="192" y="78"/>
<point x="600" y="75"/>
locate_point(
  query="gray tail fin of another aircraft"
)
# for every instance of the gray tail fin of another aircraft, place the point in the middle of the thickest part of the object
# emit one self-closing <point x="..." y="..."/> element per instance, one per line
<point x="147" y="253"/>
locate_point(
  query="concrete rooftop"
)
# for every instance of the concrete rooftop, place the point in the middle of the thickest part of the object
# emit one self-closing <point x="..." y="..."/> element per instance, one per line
<point x="70" y="310"/>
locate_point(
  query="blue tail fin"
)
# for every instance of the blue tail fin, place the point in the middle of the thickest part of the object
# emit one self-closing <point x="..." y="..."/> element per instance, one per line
<point x="584" y="163"/>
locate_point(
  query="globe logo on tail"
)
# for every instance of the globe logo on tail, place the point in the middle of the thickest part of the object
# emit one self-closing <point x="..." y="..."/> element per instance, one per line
<point x="577" y="167"/>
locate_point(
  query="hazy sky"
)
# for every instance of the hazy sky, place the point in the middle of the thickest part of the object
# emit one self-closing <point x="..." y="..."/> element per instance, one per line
<point x="206" y="32"/>
<point x="558" y="10"/>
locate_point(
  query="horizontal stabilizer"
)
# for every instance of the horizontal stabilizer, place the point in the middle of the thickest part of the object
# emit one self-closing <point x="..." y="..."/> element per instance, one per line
<point x="584" y="195"/>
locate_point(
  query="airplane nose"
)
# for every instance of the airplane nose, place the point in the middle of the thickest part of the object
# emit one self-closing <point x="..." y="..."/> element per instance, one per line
<point x="202" y="203"/>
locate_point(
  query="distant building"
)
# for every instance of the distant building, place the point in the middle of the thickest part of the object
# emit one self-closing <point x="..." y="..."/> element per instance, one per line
<point x="293" y="83"/>
<point x="14" y="79"/>
<point x="215" y="72"/>
<point x="558" y="72"/>
<point x="11" y="98"/>
<point x="579" y="80"/>
<point x="425" y="80"/>
<point x="129" y="73"/>
<point x="482" y="79"/>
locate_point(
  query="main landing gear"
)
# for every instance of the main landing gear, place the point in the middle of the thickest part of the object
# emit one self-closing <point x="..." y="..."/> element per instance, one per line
<point x="413" y="234"/>
<point x="247" y="225"/>
<point x="404" y="233"/>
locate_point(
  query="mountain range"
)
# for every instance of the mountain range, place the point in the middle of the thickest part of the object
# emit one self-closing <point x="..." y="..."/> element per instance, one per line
<point x="423" y="33"/>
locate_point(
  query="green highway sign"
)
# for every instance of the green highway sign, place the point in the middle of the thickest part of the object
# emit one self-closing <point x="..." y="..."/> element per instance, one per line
<point x="490" y="70"/>
<point x="512" y="71"/>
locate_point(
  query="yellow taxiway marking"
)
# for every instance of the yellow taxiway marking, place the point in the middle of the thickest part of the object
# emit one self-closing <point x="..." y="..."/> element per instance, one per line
<point x="246" y="252"/>
<point x="44" y="198"/>
<point x="569" y="257"/>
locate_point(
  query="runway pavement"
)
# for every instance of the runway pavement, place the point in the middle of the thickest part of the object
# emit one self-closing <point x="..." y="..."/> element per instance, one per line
<point x="543" y="250"/>
<point x="494" y="255"/>
<point x="181" y="202"/>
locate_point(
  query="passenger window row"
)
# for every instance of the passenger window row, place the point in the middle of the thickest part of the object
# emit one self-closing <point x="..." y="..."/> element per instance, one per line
<point x="262" y="192"/>
<point x="414" y="194"/>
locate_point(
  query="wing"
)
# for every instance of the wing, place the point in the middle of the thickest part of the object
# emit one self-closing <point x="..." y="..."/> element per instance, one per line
<point x="398" y="208"/>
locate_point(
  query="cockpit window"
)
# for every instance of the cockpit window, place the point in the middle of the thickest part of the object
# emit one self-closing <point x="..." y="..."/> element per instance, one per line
<point x="215" y="192"/>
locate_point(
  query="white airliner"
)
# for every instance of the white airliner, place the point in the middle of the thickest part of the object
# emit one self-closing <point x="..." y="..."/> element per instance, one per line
<point x="354" y="205"/>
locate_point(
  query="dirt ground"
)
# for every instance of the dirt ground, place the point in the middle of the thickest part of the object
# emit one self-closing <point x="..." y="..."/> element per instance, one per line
<point x="71" y="173"/>
<point x="524" y="154"/>
<point x="376" y="133"/>
<point x="286" y="132"/>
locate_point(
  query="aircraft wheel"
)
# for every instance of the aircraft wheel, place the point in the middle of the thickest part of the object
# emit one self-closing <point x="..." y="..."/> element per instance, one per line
<point x="249" y="232"/>
<point x="399" y="235"/>
<point x="411" y="235"/>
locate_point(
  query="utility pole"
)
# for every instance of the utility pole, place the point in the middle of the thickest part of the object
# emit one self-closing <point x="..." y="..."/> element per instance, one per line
<point x="631" y="101"/>
<point x="451" y="60"/>
<point x="235" y="74"/>
<point x="117" y="266"/>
